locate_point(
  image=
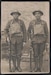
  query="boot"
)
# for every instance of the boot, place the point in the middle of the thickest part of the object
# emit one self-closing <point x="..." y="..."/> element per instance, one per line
<point x="36" y="64"/>
<point x="18" y="65"/>
<point x="19" y="69"/>
<point x="40" y="63"/>
<point x="35" y="70"/>
<point x="14" y="65"/>
<point x="13" y="69"/>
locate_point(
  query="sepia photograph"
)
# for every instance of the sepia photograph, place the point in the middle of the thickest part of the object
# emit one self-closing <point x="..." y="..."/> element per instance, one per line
<point x="25" y="37"/>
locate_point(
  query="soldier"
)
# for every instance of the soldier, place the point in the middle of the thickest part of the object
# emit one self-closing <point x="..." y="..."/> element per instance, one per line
<point x="38" y="33"/>
<point x="16" y="31"/>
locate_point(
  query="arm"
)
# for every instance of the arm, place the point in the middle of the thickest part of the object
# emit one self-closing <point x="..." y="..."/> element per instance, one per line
<point x="7" y="29"/>
<point x="24" y="31"/>
<point x="30" y="30"/>
<point x="7" y="32"/>
<point x="46" y="32"/>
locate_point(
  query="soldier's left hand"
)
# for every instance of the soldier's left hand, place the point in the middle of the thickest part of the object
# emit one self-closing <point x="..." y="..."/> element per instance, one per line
<point x="8" y="39"/>
<point x="24" y="43"/>
<point x="47" y="47"/>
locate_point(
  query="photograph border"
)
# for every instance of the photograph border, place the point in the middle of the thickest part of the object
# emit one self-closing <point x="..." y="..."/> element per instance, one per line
<point x="50" y="24"/>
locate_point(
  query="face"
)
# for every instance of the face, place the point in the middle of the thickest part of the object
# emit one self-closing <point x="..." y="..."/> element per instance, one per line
<point x="38" y="15"/>
<point x="15" y="16"/>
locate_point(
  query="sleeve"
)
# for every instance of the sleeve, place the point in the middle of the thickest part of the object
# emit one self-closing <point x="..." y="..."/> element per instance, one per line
<point x="46" y="31"/>
<point x="24" y="31"/>
<point x="29" y="30"/>
<point x="7" y="28"/>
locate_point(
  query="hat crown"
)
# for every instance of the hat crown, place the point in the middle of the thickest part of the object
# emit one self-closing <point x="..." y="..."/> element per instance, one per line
<point x="15" y="12"/>
<point x="38" y="11"/>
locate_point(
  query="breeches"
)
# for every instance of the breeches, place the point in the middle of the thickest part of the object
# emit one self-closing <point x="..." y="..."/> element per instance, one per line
<point x="16" y="46"/>
<point x="38" y="50"/>
<point x="16" y="50"/>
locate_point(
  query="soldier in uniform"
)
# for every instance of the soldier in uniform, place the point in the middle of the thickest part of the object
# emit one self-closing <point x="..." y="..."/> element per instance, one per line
<point x="38" y="33"/>
<point x="16" y="31"/>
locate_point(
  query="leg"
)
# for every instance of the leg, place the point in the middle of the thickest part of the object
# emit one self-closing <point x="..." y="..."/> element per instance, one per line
<point x="13" y="56"/>
<point x="40" y="62"/>
<point x="42" y="47"/>
<point x="14" y="63"/>
<point x="18" y="63"/>
<point x="35" y="49"/>
<point x="19" y="53"/>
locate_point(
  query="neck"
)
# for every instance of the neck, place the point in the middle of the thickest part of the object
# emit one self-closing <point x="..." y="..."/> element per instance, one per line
<point x="38" y="19"/>
<point x="16" y="19"/>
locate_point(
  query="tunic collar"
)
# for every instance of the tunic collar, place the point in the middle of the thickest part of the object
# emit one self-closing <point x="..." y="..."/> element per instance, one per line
<point x="15" y="20"/>
<point x="38" y="21"/>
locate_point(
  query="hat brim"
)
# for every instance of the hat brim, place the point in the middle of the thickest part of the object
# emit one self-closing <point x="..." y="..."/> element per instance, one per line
<point x="37" y="11"/>
<point x="15" y="13"/>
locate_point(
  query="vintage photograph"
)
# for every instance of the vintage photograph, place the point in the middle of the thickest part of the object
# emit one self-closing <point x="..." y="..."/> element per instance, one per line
<point x="25" y="37"/>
